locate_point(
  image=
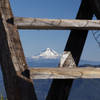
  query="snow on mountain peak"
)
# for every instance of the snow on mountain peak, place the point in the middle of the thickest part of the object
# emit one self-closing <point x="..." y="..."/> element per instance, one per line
<point x="47" y="54"/>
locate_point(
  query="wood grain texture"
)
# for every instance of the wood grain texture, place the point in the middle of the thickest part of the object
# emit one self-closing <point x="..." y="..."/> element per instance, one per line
<point x="67" y="60"/>
<point x="12" y="58"/>
<point x="64" y="73"/>
<point x="56" y="24"/>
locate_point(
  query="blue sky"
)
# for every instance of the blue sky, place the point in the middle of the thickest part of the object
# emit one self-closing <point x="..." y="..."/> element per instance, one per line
<point x="34" y="41"/>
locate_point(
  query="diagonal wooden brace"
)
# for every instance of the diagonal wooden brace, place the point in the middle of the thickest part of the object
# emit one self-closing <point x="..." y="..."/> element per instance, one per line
<point x="60" y="89"/>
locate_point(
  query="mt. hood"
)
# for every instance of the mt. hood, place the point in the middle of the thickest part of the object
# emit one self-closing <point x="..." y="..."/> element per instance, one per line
<point x="47" y="54"/>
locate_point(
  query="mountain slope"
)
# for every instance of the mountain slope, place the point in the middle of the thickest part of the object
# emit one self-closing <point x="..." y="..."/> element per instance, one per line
<point x="47" y="54"/>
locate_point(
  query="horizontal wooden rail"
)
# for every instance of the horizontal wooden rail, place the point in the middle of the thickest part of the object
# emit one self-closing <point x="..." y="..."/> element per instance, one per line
<point x="64" y="73"/>
<point x="56" y="24"/>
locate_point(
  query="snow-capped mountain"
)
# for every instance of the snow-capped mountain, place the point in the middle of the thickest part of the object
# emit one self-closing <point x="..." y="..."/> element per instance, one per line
<point x="47" y="54"/>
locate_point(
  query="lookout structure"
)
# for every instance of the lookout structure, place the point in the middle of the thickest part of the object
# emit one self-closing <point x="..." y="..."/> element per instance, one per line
<point x="16" y="74"/>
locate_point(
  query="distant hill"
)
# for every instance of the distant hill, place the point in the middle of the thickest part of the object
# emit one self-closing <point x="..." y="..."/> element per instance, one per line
<point x="85" y="62"/>
<point x="41" y="62"/>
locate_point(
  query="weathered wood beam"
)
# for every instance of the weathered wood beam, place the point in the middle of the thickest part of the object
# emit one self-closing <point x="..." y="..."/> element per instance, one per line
<point x="60" y="89"/>
<point x="67" y="60"/>
<point x="15" y="71"/>
<point x="64" y="73"/>
<point x="56" y="24"/>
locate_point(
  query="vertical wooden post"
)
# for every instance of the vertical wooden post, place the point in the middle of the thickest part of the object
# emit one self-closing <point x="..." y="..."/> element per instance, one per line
<point x="60" y="89"/>
<point x="18" y="85"/>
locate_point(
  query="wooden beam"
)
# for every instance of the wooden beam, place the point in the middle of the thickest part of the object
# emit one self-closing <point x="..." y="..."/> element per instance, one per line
<point x="67" y="60"/>
<point x="64" y="73"/>
<point x="60" y="89"/>
<point x="17" y="83"/>
<point x="56" y="24"/>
